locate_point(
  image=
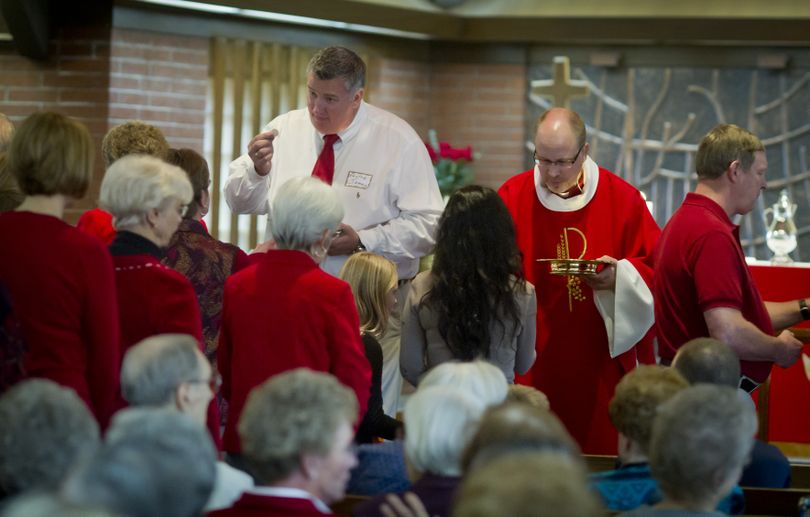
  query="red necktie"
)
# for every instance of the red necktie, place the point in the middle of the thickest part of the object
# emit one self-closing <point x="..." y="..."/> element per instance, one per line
<point x="325" y="166"/>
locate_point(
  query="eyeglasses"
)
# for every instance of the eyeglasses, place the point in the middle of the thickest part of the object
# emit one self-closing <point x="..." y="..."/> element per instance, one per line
<point x="564" y="163"/>
<point x="214" y="382"/>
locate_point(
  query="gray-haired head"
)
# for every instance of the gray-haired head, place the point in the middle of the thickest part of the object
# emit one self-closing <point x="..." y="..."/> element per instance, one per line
<point x="154" y="462"/>
<point x="304" y="211"/>
<point x="137" y="184"/>
<point x="154" y="368"/>
<point x="338" y="62"/>
<point x="707" y="360"/>
<point x="290" y="415"/>
<point x="701" y="440"/>
<point x="45" y="429"/>
<point x="439" y="421"/>
<point x="482" y="380"/>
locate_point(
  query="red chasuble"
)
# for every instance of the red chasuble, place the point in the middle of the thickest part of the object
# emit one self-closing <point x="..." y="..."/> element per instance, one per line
<point x="573" y="367"/>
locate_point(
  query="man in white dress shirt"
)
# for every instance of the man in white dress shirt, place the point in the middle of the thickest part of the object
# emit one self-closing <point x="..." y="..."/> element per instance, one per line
<point x="382" y="173"/>
<point x="382" y="170"/>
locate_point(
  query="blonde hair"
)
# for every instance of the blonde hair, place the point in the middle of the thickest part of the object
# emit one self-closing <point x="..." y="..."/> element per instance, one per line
<point x="133" y="137"/>
<point x="371" y="278"/>
<point x="136" y="184"/>
<point x="51" y="154"/>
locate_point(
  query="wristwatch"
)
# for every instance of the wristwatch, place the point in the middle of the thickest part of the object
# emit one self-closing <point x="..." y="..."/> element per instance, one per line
<point x="804" y="309"/>
<point x="360" y="247"/>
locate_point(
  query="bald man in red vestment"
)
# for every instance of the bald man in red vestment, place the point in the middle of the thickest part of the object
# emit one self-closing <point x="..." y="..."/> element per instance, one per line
<point x="591" y="330"/>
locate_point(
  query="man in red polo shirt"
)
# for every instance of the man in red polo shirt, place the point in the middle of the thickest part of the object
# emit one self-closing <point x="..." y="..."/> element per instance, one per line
<point x="702" y="284"/>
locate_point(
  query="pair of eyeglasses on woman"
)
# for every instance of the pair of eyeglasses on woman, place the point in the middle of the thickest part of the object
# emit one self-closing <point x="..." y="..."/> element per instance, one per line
<point x="564" y="163"/>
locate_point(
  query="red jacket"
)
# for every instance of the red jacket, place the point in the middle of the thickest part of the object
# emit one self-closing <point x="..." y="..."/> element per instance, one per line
<point x="284" y="313"/>
<point x="154" y="299"/>
<point x="62" y="290"/>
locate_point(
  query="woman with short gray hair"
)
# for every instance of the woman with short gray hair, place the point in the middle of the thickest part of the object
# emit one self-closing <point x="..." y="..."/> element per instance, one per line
<point x="285" y="312"/>
<point x="439" y="420"/>
<point x="296" y="430"/>
<point x="147" y="197"/>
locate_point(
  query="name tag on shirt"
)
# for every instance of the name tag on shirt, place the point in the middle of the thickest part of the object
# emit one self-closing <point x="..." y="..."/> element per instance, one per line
<point x="358" y="180"/>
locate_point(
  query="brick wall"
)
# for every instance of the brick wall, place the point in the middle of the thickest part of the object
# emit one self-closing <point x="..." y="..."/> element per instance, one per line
<point x="403" y="88"/>
<point x="162" y="80"/>
<point x="104" y="78"/>
<point x="74" y="81"/>
<point x="482" y="105"/>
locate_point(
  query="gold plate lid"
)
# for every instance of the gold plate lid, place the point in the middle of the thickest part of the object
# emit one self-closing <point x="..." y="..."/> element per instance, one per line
<point x="573" y="266"/>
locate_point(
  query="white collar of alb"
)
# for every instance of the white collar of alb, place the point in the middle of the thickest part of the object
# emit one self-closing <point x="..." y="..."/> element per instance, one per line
<point x="572" y="204"/>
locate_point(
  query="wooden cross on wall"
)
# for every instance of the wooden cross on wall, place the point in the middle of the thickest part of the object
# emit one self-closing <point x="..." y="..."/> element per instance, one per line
<point x="560" y="88"/>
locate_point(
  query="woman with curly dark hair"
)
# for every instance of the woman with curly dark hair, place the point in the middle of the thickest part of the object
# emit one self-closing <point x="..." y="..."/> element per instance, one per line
<point x="474" y="302"/>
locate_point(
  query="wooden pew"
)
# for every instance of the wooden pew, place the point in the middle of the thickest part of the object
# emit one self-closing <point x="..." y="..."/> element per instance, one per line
<point x="800" y="475"/>
<point x="599" y="462"/>
<point x="347" y="504"/>
<point x="776" y="501"/>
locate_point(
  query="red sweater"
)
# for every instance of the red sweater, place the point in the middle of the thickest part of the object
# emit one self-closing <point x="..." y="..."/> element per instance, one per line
<point x="63" y="292"/>
<point x="154" y="299"/>
<point x="284" y="313"/>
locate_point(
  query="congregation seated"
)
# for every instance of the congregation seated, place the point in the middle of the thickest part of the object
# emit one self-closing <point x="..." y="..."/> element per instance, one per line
<point x="133" y="137"/>
<point x="381" y="468"/>
<point x="153" y="462"/>
<point x="439" y="421"/>
<point x="296" y="434"/>
<point x="707" y="360"/>
<point x="45" y="430"/>
<point x="169" y="371"/>
<point x="285" y="312"/>
<point x="373" y="280"/>
<point x="59" y="281"/>
<point x="476" y="271"/>
<point x="201" y="258"/>
<point x="701" y="438"/>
